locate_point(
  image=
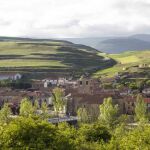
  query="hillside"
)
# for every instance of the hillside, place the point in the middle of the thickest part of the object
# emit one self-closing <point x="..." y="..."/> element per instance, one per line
<point x="129" y="60"/>
<point x="49" y="56"/>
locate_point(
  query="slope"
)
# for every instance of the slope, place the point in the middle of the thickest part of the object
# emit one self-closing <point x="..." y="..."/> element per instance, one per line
<point x="49" y="56"/>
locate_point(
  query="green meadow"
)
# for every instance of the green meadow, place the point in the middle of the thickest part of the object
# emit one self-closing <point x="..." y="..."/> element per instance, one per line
<point x="50" y="56"/>
<point x="126" y="60"/>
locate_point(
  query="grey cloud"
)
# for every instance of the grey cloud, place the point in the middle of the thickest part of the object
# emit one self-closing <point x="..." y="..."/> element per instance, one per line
<point x="110" y="30"/>
<point x="65" y="25"/>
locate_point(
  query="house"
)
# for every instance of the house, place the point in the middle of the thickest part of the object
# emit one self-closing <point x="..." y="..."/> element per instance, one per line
<point x="12" y="76"/>
<point x="37" y="84"/>
<point x="50" y="81"/>
<point x="144" y="65"/>
<point x="124" y="68"/>
<point x="88" y="86"/>
<point x="61" y="81"/>
<point x="147" y="101"/>
<point x="146" y="91"/>
<point x="127" y="104"/>
<point x="125" y="91"/>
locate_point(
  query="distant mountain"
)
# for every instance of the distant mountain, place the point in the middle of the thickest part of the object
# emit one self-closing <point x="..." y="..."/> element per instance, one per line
<point x="116" y="44"/>
<point x="93" y="41"/>
<point x="122" y="44"/>
<point x="144" y="37"/>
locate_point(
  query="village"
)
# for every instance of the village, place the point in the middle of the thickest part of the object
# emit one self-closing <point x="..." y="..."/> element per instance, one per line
<point x="85" y="92"/>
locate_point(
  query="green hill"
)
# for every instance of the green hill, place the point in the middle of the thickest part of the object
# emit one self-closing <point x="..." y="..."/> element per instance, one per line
<point x="53" y="56"/>
<point x="129" y="61"/>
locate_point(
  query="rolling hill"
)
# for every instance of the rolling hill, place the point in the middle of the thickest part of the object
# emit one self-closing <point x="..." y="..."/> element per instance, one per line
<point x="49" y="56"/>
<point x="129" y="60"/>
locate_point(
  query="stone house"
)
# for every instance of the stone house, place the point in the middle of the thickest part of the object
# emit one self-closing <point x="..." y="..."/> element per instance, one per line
<point x="88" y="86"/>
<point x="146" y="91"/>
<point x="37" y="84"/>
<point x="127" y="104"/>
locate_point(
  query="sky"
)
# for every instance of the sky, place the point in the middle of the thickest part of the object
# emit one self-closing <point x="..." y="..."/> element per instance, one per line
<point x="73" y="18"/>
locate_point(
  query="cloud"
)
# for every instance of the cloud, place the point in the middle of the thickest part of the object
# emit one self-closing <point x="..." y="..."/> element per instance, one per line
<point x="73" y="18"/>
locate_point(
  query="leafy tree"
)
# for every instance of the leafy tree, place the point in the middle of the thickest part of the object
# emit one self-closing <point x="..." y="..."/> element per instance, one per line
<point x="138" y="138"/>
<point x="44" y="108"/>
<point x="36" y="104"/>
<point x="5" y="113"/>
<point x="58" y="99"/>
<point x="147" y="83"/>
<point x="26" y="133"/>
<point x="94" y="133"/>
<point x="83" y="115"/>
<point x="67" y="137"/>
<point x="26" y="108"/>
<point x="108" y="112"/>
<point x="140" y="109"/>
<point x="93" y="113"/>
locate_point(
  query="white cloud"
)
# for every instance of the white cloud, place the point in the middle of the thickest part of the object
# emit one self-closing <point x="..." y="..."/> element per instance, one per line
<point x="73" y="18"/>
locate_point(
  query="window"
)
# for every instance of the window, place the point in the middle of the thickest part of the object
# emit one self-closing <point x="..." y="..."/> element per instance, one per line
<point x="87" y="82"/>
<point x="80" y="82"/>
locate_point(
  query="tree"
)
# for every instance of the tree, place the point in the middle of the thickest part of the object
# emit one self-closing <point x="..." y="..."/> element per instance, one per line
<point x="140" y="109"/>
<point x="94" y="133"/>
<point x="58" y="99"/>
<point x="138" y="139"/>
<point x="108" y="112"/>
<point x="5" y="113"/>
<point x="36" y="104"/>
<point x="26" y="108"/>
<point x="83" y="115"/>
<point x="66" y="137"/>
<point x="44" y="108"/>
<point x="26" y="133"/>
<point x="93" y="113"/>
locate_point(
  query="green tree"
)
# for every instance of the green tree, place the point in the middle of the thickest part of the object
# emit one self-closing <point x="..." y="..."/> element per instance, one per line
<point x="94" y="133"/>
<point x="58" y="99"/>
<point x="140" y="109"/>
<point x="5" y="113"/>
<point x="67" y="137"/>
<point x="136" y="139"/>
<point x="44" y="108"/>
<point x="36" y="104"/>
<point x="26" y="133"/>
<point x="26" y="108"/>
<point x="83" y="115"/>
<point x="108" y="113"/>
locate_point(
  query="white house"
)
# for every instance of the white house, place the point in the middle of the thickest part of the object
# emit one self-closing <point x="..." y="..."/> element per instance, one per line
<point x="49" y="81"/>
<point x="62" y="81"/>
<point x="12" y="76"/>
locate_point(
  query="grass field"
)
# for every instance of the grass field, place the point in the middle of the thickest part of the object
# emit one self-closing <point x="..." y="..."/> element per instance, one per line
<point x="50" y="56"/>
<point x="125" y="60"/>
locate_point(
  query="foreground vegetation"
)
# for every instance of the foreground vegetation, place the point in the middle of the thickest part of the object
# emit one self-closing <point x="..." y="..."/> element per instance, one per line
<point x="110" y="131"/>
